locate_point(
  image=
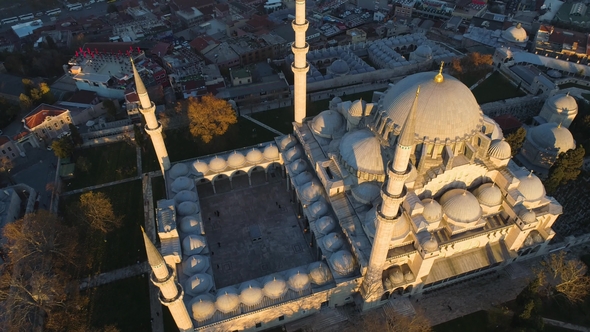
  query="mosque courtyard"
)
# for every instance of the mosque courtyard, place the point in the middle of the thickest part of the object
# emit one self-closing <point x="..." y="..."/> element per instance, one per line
<point x="257" y="231"/>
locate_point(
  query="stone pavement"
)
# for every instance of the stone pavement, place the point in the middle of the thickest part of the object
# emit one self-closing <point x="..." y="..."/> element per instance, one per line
<point x="108" y="277"/>
<point x="565" y="325"/>
<point x="77" y="191"/>
<point x="262" y="125"/>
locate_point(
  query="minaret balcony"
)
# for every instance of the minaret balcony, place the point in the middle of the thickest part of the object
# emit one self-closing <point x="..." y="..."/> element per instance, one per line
<point x="300" y="70"/>
<point x="300" y="27"/>
<point x="299" y="50"/>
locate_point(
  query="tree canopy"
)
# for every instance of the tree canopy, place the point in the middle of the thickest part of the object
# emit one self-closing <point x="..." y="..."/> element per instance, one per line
<point x="63" y="147"/>
<point x="566" y="168"/>
<point x="96" y="210"/>
<point x="208" y="117"/>
<point x="516" y="139"/>
<point x="75" y="135"/>
<point x="386" y="319"/>
<point x="566" y="277"/>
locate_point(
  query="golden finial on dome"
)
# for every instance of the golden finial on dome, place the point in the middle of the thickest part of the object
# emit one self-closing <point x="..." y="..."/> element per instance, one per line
<point x="559" y="125"/>
<point x="518" y="25"/>
<point x="439" y="77"/>
<point x="417" y="91"/>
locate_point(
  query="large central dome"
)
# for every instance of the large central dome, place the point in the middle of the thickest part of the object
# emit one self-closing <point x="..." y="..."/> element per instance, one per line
<point x="446" y="109"/>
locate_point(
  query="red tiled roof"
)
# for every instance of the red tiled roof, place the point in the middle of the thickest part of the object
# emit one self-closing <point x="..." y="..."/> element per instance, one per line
<point x="508" y="122"/>
<point x="160" y="49"/>
<point x="21" y="135"/>
<point x="200" y="43"/>
<point x="132" y="97"/>
<point x="40" y="113"/>
<point x="4" y="140"/>
<point x="257" y="21"/>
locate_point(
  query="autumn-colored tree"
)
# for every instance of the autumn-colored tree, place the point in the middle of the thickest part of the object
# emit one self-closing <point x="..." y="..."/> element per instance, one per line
<point x="75" y="135"/>
<point x="386" y="319"/>
<point x="63" y="147"/>
<point x="139" y="137"/>
<point x="566" y="277"/>
<point x="97" y="211"/>
<point x="567" y="167"/>
<point x="25" y="101"/>
<point x="516" y="139"/>
<point x="208" y="117"/>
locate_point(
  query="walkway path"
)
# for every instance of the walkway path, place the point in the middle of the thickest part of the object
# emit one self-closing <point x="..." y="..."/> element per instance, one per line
<point x="108" y="277"/>
<point x="565" y="325"/>
<point x="77" y="191"/>
<point x="138" y="152"/>
<point x="262" y="124"/>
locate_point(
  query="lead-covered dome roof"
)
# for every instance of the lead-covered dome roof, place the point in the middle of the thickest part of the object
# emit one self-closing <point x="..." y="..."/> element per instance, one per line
<point x="202" y="307"/>
<point x="250" y="293"/>
<point x="564" y="103"/>
<point x="195" y="264"/>
<point x="531" y="187"/>
<point x="319" y="273"/>
<point x="500" y="149"/>
<point x="489" y="194"/>
<point x="515" y="34"/>
<point x="361" y="150"/>
<point x="552" y="136"/>
<point x="328" y="124"/>
<point x="432" y="210"/>
<point x="460" y="205"/>
<point x="274" y="287"/>
<point x="446" y="110"/>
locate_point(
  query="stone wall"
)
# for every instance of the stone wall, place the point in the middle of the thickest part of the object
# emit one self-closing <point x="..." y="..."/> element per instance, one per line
<point x="520" y="107"/>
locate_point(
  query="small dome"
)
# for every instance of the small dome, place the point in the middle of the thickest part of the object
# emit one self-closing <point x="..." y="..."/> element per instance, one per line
<point x="531" y="187"/>
<point x="298" y="280"/>
<point x="343" y="263"/>
<point x="401" y="227"/>
<point x="202" y="307"/>
<point x="182" y="183"/>
<point x="274" y="287"/>
<point x="325" y="225"/>
<point x="332" y="242"/>
<point x="303" y="178"/>
<point x="185" y="196"/>
<point x="361" y="150"/>
<point x="293" y="154"/>
<point x="430" y="245"/>
<point x="338" y="68"/>
<point x="227" y="300"/>
<point x="187" y="208"/>
<point x="432" y="210"/>
<point x="563" y="103"/>
<point x="553" y="136"/>
<point x="500" y="149"/>
<point x="366" y="192"/>
<point x="178" y="170"/>
<point x="537" y="238"/>
<point x="318" y="209"/>
<point x="288" y="142"/>
<point x="217" y="164"/>
<point x="271" y="152"/>
<point x="195" y="264"/>
<point x="489" y="194"/>
<point x="254" y="156"/>
<point x="310" y="192"/>
<point x="197" y="284"/>
<point x="515" y="34"/>
<point x="461" y="206"/>
<point x="396" y="276"/>
<point x="319" y="273"/>
<point x="409" y="276"/>
<point x="297" y="167"/>
<point x="423" y="51"/>
<point x="528" y="216"/>
<point x="192" y="225"/>
<point x="236" y="160"/>
<point x="250" y="293"/>
<point x="193" y="244"/>
<point x="200" y="168"/>
<point x="328" y="124"/>
<point x="357" y="109"/>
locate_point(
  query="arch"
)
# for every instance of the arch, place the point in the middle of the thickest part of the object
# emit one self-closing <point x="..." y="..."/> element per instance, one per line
<point x="409" y="289"/>
<point x="219" y="176"/>
<point x="256" y="168"/>
<point x="237" y="172"/>
<point x="398" y="291"/>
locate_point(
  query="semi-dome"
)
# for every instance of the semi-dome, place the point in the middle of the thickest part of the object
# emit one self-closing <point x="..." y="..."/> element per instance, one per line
<point x="338" y="68"/>
<point x="515" y="34"/>
<point x="177" y="170"/>
<point x="297" y="167"/>
<point x="325" y="224"/>
<point x="328" y="124"/>
<point x="193" y="244"/>
<point x="192" y="225"/>
<point x="298" y="280"/>
<point x="500" y="149"/>
<point x="460" y="205"/>
<point x="332" y="242"/>
<point x="302" y="178"/>
<point x="182" y="183"/>
<point x="528" y="216"/>
<point x="531" y="187"/>
<point x="250" y="293"/>
<point x="361" y="151"/>
<point x="188" y="208"/>
<point x="366" y="192"/>
<point x="185" y="196"/>
<point x="236" y="160"/>
<point x="287" y="142"/>
<point x="318" y="209"/>
<point x="552" y="136"/>
<point x="343" y="263"/>
<point x="274" y="287"/>
<point x="488" y="194"/>
<point x="202" y="307"/>
<point x="227" y="300"/>
<point x="319" y="273"/>
<point x="254" y="156"/>
<point x="400" y="228"/>
<point x="271" y="152"/>
<point x="563" y="103"/>
<point x="198" y="283"/>
<point x="432" y="210"/>
<point x="293" y="154"/>
<point x="310" y="192"/>
<point x="446" y="109"/>
<point x="217" y="164"/>
<point x="357" y="108"/>
<point x="200" y="168"/>
<point x="195" y="264"/>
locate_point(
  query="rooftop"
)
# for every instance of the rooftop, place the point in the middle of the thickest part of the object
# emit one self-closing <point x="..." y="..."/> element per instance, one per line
<point x="40" y="113"/>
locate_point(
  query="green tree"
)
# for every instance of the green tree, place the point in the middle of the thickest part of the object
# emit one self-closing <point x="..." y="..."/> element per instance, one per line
<point x="567" y="167"/>
<point x="527" y="315"/>
<point x="111" y="108"/>
<point x="75" y="134"/>
<point x="516" y="139"/>
<point x="208" y="117"/>
<point x="63" y="147"/>
<point x="25" y="101"/>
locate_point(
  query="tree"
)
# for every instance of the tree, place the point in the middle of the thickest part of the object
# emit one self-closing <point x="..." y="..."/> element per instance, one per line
<point x="83" y="164"/>
<point x="386" y="319"/>
<point x="111" y="108"/>
<point x="97" y="211"/>
<point x="25" y="101"/>
<point x="208" y="117"/>
<point x="139" y="138"/>
<point x="516" y="139"/>
<point x="565" y="277"/>
<point x="567" y="167"/>
<point x="528" y="311"/>
<point x="75" y="135"/>
<point x="112" y="8"/>
<point x="63" y="147"/>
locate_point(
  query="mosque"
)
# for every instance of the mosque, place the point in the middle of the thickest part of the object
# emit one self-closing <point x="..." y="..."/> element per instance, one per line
<point x="410" y="192"/>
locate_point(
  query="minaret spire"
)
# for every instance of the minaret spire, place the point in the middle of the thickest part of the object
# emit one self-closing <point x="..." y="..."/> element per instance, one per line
<point x="409" y="128"/>
<point x="144" y="99"/>
<point x="300" y="66"/>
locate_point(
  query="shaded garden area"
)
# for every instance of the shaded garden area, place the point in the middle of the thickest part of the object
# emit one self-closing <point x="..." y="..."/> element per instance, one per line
<point x="494" y="88"/>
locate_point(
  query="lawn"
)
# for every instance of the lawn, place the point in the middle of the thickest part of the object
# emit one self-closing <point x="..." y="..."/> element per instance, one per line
<point x="492" y="320"/>
<point x="494" y="88"/>
<point x="124" y="303"/>
<point x="105" y="163"/>
<point x="158" y="189"/>
<point x="120" y="247"/>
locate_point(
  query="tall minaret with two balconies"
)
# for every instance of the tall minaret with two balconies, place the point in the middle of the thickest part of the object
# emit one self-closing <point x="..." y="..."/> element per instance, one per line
<point x="171" y="292"/>
<point x="152" y="126"/>
<point x="300" y="66"/>
<point x="393" y="193"/>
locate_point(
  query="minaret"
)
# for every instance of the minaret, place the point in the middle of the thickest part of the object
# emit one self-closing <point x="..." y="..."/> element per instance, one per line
<point x="393" y="193"/>
<point x="300" y="65"/>
<point x="171" y="292"/>
<point x="152" y="126"/>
